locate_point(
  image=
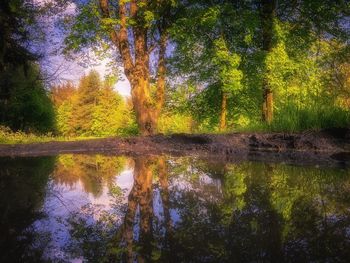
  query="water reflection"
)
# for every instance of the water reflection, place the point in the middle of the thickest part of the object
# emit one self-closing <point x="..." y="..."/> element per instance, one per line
<point x="22" y="192"/>
<point x="145" y="209"/>
<point x="93" y="171"/>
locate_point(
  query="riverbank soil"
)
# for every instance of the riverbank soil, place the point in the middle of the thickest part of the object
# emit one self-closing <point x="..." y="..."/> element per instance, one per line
<point x="325" y="147"/>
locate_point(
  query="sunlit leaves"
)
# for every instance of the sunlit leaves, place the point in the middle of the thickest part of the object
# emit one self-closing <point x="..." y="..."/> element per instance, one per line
<point x="87" y="28"/>
<point x="93" y="109"/>
<point x="227" y="64"/>
<point x="279" y="67"/>
<point x="149" y="17"/>
<point x="210" y="17"/>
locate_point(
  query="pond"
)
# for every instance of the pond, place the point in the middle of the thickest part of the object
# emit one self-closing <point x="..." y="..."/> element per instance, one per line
<point x="96" y="208"/>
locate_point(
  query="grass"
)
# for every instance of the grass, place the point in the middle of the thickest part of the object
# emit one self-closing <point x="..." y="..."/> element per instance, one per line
<point x="312" y="118"/>
<point x="7" y="136"/>
<point x="293" y="119"/>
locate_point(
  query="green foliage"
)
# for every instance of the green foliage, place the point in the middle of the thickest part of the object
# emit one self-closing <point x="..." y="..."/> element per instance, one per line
<point x="176" y="116"/>
<point x="7" y="136"/>
<point x="85" y="103"/>
<point x="24" y="102"/>
<point x="65" y="118"/>
<point x="110" y="115"/>
<point x="28" y="105"/>
<point x="93" y="109"/>
<point x="218" y="46"/>
<point x="85" y="28"/>
<point x="175" y="123"/>
<point x="217" y="50"/>
<point x="227" y="64"/>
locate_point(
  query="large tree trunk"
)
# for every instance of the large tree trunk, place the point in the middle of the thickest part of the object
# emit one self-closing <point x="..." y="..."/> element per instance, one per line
<point x="268" y="10"/>
<point x="147" y="106"/>
<point x="145" y="115"/>
<point x="223" y="111"/>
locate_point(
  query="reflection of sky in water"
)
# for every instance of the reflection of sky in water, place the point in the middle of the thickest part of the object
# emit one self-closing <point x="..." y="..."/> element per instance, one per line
<point x="63" y="200"/>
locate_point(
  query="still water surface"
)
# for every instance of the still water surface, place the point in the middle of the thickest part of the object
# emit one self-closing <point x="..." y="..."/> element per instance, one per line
<point x="94" y="208"/>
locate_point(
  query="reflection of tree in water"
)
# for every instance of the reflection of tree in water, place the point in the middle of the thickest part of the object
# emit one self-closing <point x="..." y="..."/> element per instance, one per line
<point x="22" y="191"/>
<point x="316" y="213"/>
<point x="256" y="223"/>
<point x="112" y="240"/>
<point x="141" y="200"/>
<point x="93" y="171"/>
<point x="225" y="213"/>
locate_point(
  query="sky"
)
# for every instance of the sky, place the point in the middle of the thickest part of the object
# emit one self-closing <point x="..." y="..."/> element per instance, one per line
<point x="63" y="69"/>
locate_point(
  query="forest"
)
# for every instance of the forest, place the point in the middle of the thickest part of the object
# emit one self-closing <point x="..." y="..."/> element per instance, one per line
<point x="174" y="131"/>
<point x="192" y="66"/>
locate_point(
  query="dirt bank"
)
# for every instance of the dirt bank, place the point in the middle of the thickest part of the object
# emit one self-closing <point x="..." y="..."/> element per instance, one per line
<point x="326" y="147"/>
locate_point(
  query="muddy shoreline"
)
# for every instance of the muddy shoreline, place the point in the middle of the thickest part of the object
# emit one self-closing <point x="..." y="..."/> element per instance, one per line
<point x="329" y="147"/>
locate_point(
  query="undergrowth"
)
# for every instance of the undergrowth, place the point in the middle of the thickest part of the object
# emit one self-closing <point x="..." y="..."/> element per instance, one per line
<point x="293" y="119"/>
<point x="7" y="136"/>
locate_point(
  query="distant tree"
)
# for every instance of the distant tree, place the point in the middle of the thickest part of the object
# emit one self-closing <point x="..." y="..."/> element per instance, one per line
<point x="229" y="75"/>
<point x="63" y="96"/>
<point x="65" y="118"/>
<point x="92" y="109"/>
<point x="87" y="97"/>
<point x="60" y="93"/>
<point x="110" y="113"/>
<point x="267" y="15"/>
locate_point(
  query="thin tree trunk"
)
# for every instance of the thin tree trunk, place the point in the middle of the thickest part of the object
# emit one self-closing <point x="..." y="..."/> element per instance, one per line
<point x="161" y="73"/>
<point x="268" y="105"/>
<point x="268" y="10"/>
<point x="223" y="112"/>
<point x="164" y="193"/>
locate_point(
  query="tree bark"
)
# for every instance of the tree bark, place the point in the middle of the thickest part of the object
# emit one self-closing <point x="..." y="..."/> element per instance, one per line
<point x="268" y="105"/>
<point x="223" y="112"/>
<point x="268" y="13"/>
<point x="144" y="108"/>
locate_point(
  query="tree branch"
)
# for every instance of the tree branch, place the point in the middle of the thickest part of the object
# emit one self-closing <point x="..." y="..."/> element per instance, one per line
<point x="120" y="37"/>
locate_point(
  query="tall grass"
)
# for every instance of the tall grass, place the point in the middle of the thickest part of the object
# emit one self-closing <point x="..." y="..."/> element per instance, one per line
<point x="290" y="118"/>
<point x="293" y="119"/>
